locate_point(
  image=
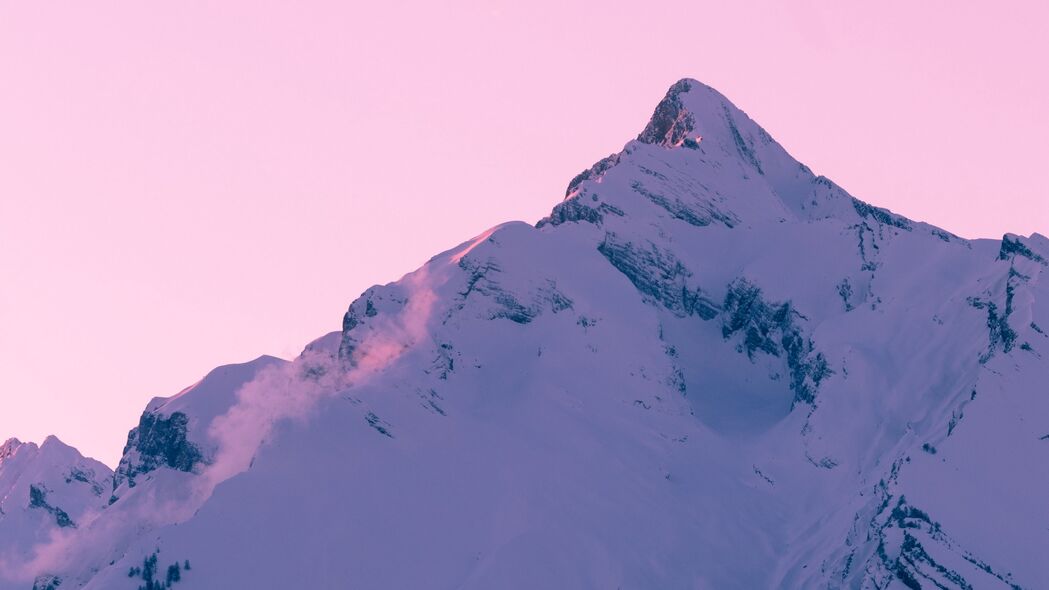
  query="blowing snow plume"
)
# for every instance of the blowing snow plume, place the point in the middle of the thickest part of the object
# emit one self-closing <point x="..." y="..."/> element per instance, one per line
<point x="292" y="391"/>
<point x="278" y="392"/>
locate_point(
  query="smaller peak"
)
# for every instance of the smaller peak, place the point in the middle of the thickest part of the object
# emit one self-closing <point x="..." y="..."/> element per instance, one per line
<point x="328" y="343"/>
<point x="266" y="359"/>
<point x="10" y="446"/>
<point x="1039" y="242"/>
<point x="56" y="449"/>
<point x="1014" y="245"/>
<point x="52" y="440"/>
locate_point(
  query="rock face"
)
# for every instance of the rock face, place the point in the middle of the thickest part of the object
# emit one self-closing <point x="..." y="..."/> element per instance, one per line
<point x="38" y="499"/>
<point x="658" y="275"/>
<point x="672" y="122"/>
<point x="707" y="368"/>
<point x="164" y="438"/>
<point x="157" y="441"/>
<point x="772" y="329"/>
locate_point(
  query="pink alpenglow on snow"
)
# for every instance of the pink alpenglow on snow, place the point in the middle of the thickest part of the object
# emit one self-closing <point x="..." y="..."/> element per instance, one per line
<point x="727" y="356"/>
<point x="706" y="367"/>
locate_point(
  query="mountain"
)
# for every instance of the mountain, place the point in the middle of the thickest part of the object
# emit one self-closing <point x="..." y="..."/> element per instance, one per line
<point x="708" y="367"/>
<point x="45" y="493"/>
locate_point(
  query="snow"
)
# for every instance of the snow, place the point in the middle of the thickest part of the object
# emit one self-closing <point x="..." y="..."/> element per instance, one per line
<point x="67" y="487"/>
<point x="573" y="405"/>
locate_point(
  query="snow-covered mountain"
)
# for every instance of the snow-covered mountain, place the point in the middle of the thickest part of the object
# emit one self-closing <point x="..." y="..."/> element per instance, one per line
<point x="45" y="492"/>
<point x="707" y="368"/>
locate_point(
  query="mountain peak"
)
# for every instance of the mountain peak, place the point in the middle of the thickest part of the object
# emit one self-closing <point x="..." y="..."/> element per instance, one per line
<point x="9" y="447"/>
<point x="691" y="112"/>
<point x="672" y="121"/>
<point x="703" y="326"/>
<point x="723" y="167"/>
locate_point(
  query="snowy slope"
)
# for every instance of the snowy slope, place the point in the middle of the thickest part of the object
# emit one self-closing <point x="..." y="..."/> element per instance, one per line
<point x="45" y="491"/>
<point x="707" y="368"/>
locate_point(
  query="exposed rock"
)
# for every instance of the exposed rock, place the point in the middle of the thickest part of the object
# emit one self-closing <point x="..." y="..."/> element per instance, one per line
<point x="375" y="300"/>
<point x="1000" y="334"/>
<point x="1012" y="246"/>
<point x="904" y="552"/>
<point x="85" y="475"/>
<point x="742" y="146"/>
<point x="671" y="122"/>
<point x="593" y="172"/>
<point x="349" y="321"/>
<point x="380" y="425"/>
<point x="520" y="308"/>
<point x="845" y="292"/>
<point x="157" y="442"/>
<point x="47" y="582"/>
<point x="9" y="447"/>
<point x="884" y="216"/>
<point x="658" y="275"/>
<point x="698" y="213"/>
<point x="576" y="209"/>
<point x="38" y="499"/>
<point x="771" y="328"/>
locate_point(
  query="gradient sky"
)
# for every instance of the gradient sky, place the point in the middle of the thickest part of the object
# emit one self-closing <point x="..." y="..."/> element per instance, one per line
<point x="189" y="184"/>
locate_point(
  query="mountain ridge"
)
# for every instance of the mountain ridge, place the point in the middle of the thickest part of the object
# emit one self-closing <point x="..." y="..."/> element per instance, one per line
<point x="707" y="367"/>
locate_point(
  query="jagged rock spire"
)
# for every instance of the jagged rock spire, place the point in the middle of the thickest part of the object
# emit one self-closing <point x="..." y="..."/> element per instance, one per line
<point x="671" y="123"/>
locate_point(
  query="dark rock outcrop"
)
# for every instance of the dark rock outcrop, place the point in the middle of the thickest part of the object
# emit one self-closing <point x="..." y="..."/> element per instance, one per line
<point x="658" y="275"/>
<point x="884" y="216"/>
<point x="699" y="213"/>
<point x="1013" y="246"/>
<point x="577" y="209"/>
<point x="594" y="171"/>
<point x="671" y="122"/>
<point x="771" y="328"/>
<point x="521" y="308"/>
<point x="157" y="442"/>
<point x="38" y="499"/>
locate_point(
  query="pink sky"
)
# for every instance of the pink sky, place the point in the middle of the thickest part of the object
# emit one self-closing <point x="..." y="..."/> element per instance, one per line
<point x="189" y="184"/>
